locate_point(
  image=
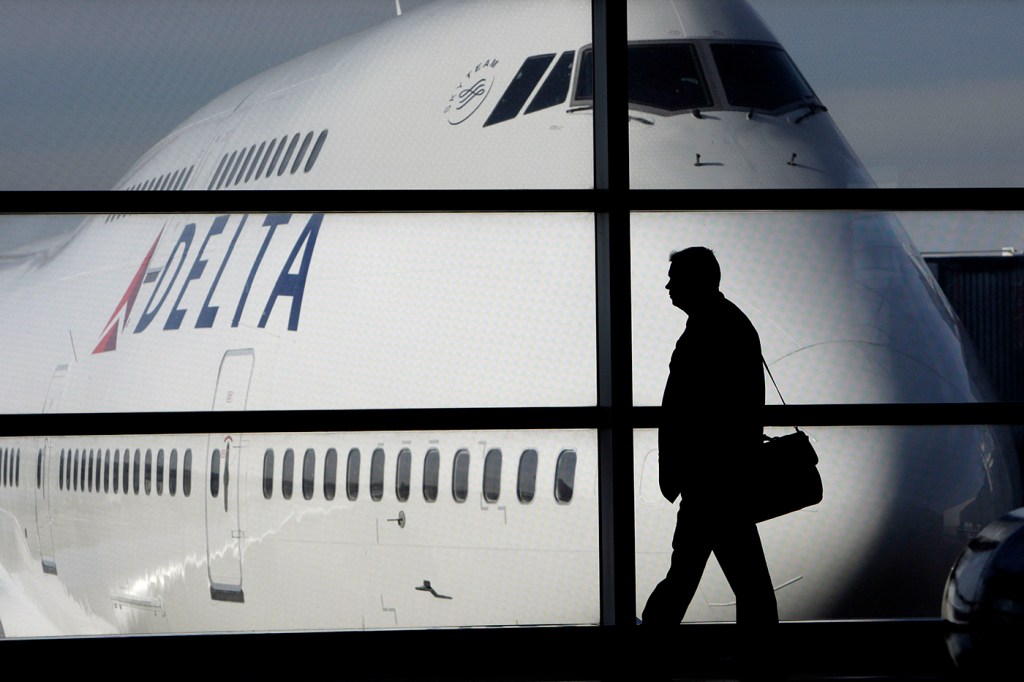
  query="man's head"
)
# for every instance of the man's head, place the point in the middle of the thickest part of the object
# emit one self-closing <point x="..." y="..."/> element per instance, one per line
<point x="693" y="277"/>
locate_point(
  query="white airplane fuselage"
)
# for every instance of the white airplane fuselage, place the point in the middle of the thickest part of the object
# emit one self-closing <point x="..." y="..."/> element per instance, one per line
<point x="154" y="313"/>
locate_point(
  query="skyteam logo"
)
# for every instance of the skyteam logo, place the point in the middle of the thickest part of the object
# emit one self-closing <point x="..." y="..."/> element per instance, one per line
<point x="235" y="271"/>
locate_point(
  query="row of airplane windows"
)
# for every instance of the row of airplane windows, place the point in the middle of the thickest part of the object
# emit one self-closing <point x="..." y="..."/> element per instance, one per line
<point x="244" y="165"/>
<point x="526" y="484"/>
<point x="10" y="463"/>
<point x="93" y="470"/>
<point x="169" y="181"/>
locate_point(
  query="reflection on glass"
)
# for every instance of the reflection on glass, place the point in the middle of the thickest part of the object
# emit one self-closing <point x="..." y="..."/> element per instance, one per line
<point x="899" y="504"/>
<point x="354" y="311"/>
<point x="846" y="309"/>
<point x="482" y="557"/>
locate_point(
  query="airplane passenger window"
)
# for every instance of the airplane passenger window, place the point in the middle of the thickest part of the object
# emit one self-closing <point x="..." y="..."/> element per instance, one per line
<point x="172" y="475"/>
<point x="565" y="476"/>
<point x="124" y="477"/>
<point x="17" y="469"/>
<point x="136" y="470"/>
<point x="431" y="474"/>
<point x="556" y="87"/>
<point x="519" y="90"/>
<point x="288" y="155"/>
<point x="3" y="467"/>
<point x="330" y="473"/>
<point x="60" y="471"/>
<point x="316" y="151"/>
<point x="266" y="157"/>
<point x="352" y="475"/>
<point x="216" y="173"/>
<point x="83" y="471"/>
<point x="460" y="475"/>
<point x="39" y="469"/>
<point x="759" y="76"/>
<point x="227" y="169"/>
<point x="245" y="165"/>
<point x="667" y="76"/>
<point x="273" y="161"/>
<point x="268" y="473"/>
<point x="106" y="471"/>
<point x="160" y="472"/>
<point x="186" y="474"/>
<point x="492" y="475"/>
<point x="377" y="475"/>
<point x="75" y="470"/>
<point x="149" y="471"/>
<point x="526" y="486"/>
<point x="308" y="472"/>
<point x="214" y="474"/>
<point x="90" y="470"/>
<point x="117" y="467"/>
<point x="255" y="161"/>
<point x="403" y="472"/>
<point x="302" y="151"/>
<point x="287" y="471"/>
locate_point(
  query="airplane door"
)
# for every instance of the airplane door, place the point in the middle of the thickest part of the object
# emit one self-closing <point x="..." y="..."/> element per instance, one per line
<point x="224" y="535"/>
<point x="44" y="518"/>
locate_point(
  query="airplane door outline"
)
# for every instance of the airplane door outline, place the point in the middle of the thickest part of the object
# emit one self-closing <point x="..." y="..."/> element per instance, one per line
<point x="44" y="517"/>
<point x="225" y="537"/>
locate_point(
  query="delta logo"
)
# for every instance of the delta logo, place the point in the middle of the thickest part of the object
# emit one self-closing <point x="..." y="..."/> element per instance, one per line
<point x="214" y="275"/>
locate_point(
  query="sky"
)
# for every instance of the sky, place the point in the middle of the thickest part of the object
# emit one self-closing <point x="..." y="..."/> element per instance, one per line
<point x="927" y="92"/>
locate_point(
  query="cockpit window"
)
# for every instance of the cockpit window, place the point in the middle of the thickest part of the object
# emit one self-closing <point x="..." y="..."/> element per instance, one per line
<point x="760" y="76"/>
<point x="585" y="77"/>
<point x="667" y="76"/>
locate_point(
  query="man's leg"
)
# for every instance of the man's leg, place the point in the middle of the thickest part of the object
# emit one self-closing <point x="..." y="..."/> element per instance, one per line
<point x="691" y="547"/>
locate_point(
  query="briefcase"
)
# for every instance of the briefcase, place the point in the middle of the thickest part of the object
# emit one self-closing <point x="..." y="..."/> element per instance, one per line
<point x="783" y="477"/>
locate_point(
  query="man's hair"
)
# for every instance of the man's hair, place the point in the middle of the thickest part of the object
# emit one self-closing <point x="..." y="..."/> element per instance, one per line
<point x="699" y="264"/>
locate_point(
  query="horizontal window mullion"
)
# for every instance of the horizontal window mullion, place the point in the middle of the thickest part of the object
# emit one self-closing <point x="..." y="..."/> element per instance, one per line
<point x="940" y="199"/>
<point x="900" y="414"/>
<point x="272" y="421"/>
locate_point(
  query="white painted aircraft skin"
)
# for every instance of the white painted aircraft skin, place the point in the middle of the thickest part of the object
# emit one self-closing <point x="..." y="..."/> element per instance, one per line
<point x="454" y="311"/>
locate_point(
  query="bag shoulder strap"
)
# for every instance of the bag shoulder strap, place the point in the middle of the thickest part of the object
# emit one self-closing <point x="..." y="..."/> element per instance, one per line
<point x="765" y="362"/>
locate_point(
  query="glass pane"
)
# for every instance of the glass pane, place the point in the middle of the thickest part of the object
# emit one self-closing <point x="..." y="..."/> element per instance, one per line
<point x="129" y="98"/>
<point x="846" y="309"/>
<point x="403" y="474"/>
<point x="377" y="475"/>
<point x="431" y="474"/>
<point x="352" y="475"/>
<point x="510" y="300"/>
<point x="492" y="475"/>
<point x="898" y="506"/>
<point x="891" y="94"/>
<point x="330" y="473"/>
<point x="268" y="474"/>
<point x="308" y="473"/>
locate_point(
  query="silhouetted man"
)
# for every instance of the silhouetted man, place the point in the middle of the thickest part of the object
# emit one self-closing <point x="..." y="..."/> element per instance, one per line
<point x="711" y="428"/>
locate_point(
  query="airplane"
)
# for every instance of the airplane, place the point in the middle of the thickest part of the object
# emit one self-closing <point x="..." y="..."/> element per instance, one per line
<point x="196" y="532"/>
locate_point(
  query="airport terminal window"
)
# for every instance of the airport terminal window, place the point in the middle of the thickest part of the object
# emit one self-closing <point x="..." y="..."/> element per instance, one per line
<point x="377" y="475"/>
<point x="172" y="475"/>
<point x="667" y="76"/>
<point x="460" y="475"/>
<point x="214" y="473"/>
<point x="308" y="472"/>
<point x="759" y="76"/>
<point x="403" y="473"/>
<point x="287" y="471"/>
<point x="330" y="473"/>
<point x="519" y="90"/>
<point x="526" y="486"/>
<point x="186" y="474"/>
<point x="160" y="472"/>
<point x="565" y="476"/>
<point x="268" y="474"/>
<point x="492" y="475"/>
<point x="149" y="471"/>
<point x="352" y="475"/>
<point x="431" y="474"/>
<point x="556" y="87"/>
